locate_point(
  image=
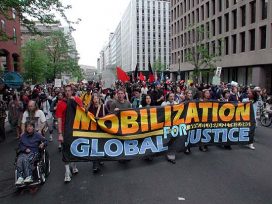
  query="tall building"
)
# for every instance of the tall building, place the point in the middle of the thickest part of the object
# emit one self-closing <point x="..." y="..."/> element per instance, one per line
<point x="10" y="57"/>
<point x="241" y="28"/>
<point x="145" y="34"/>
<point x="142" y="36"/>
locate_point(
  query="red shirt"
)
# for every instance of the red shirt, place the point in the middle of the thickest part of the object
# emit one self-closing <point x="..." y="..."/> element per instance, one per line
<point x="61" y="110"/>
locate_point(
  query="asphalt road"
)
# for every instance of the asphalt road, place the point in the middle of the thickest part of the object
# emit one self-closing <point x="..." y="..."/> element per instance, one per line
<point x="218" y="176"/>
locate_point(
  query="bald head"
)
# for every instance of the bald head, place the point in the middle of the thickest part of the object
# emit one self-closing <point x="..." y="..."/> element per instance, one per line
<point x="31" y="105"/>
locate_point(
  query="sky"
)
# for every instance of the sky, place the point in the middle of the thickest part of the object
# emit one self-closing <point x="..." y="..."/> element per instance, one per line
<point x="98" y="19"/>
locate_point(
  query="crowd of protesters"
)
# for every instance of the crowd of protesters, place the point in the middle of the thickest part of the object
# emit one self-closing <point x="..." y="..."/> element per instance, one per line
<point x="47" y="104"/>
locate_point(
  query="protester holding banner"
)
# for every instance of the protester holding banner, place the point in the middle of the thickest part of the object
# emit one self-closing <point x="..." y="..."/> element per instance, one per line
<point x="61" y="115"/>
<point x="98" y="109"/>
<point x="170" y="156"/>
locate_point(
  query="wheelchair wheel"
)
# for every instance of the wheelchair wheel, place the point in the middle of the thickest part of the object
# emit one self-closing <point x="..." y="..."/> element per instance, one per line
<point x="43" y="179"/>
<point x="15" y="174"/>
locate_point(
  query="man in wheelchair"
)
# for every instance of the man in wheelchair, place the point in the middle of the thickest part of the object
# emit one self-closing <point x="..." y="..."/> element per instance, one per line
<point x="31" y="142"/>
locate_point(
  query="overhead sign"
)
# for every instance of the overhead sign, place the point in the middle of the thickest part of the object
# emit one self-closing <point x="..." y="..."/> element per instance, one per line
<point x="13" y="80"/>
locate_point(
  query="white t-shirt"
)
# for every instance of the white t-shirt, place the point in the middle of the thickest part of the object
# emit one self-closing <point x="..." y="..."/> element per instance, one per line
<point x="39" y="118"/>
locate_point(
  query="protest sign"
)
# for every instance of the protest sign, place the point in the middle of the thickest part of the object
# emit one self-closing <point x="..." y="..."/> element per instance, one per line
<point x="129" y="134"/>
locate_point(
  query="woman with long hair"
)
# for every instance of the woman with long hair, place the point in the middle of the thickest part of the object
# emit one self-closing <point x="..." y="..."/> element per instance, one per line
<point x="97" y="108"/>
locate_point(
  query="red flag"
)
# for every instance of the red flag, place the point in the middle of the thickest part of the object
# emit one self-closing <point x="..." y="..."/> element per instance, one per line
<point x="121" y="75"/>
<point x="151" y="75"/>
<point x="141" y="77"/>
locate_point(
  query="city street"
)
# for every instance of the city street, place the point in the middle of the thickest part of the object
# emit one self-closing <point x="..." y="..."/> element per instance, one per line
<point x="218" y="176"/>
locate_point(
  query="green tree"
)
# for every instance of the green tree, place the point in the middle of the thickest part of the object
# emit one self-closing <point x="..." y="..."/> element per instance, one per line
<point x="35" y="61"/>
<point x="63" y="56"/>
<point x="29" y="11"/>
<point x="158" y="66"/>
<point x="200" y="54"/>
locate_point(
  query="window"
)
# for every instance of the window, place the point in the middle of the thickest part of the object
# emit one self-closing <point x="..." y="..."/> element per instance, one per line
<point x="233" y="44"/>
<point x="208" y="29"/>
<point x="3" y="25"/>
<point x="213" y="27"/>
<point x="14" y="36"/>
<point x="197" y="15"/>
<point x="13" y="13"/>
<point x="264" y="9"/>
<point x="219" y="47"/>
<point x="207" y="10"/>
<point x="213" y="47"/>
<point x="243" y="41"/>
<point x="220" y="25"/>
<point x="213" y="7"/>
<point x="220" y="5"/>
<point x="208" y="48"/>
<point x="234" y="19"/>
<point x="202" y="13"/>
<point x="227" y="4"/>
<point x="263" y="37"/>
<point x="253" y="11"/>
<point x="226" y="45"/>
<point x="227" y="22"/>
<point x="243" y="15"/>
<point x="252" y="39"/>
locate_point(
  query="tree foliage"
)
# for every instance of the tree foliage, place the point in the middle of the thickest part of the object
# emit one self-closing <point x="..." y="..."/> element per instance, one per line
<point x="58" y="57"/>
<point x="158" y="66"/>
<point x="36" y="61"/>
<point x="200" y="54"/>
<point x="30" y="11"/>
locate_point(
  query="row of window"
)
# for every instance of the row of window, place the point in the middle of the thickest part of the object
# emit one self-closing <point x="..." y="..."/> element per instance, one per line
<point x="180" y="7"/>
<point x="185" y="22"/>
<point x="161" y="5"/>
<point x="223" y="45"/>
<point x="195" y="16"/>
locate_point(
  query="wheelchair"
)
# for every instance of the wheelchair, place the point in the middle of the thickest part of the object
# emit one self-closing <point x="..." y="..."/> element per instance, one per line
<point x="41" y="169"/>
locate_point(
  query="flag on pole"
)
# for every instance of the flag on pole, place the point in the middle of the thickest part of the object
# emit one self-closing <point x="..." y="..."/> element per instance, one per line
<point x="141" y="77"/>
<point x="151" y="75"/>
<point x="136" y="73"/>
<point x="122" y="75"/>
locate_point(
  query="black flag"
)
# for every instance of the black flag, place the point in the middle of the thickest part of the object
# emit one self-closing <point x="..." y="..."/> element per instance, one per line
<point x="136" y="73"/>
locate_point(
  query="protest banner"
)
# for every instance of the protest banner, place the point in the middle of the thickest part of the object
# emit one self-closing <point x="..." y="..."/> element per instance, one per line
<point x="129" y="134"/>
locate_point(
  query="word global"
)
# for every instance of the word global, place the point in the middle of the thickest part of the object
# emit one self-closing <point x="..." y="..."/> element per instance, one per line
<point x="113" y="148"/>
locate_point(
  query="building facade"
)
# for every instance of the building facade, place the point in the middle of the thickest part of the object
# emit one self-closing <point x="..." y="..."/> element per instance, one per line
<point x="45" y="30"/>
<point x="242" y="29"/>
<point x="145" y="34"/>
<point x="142" y="36"/>
<point x="10" y="57"/>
